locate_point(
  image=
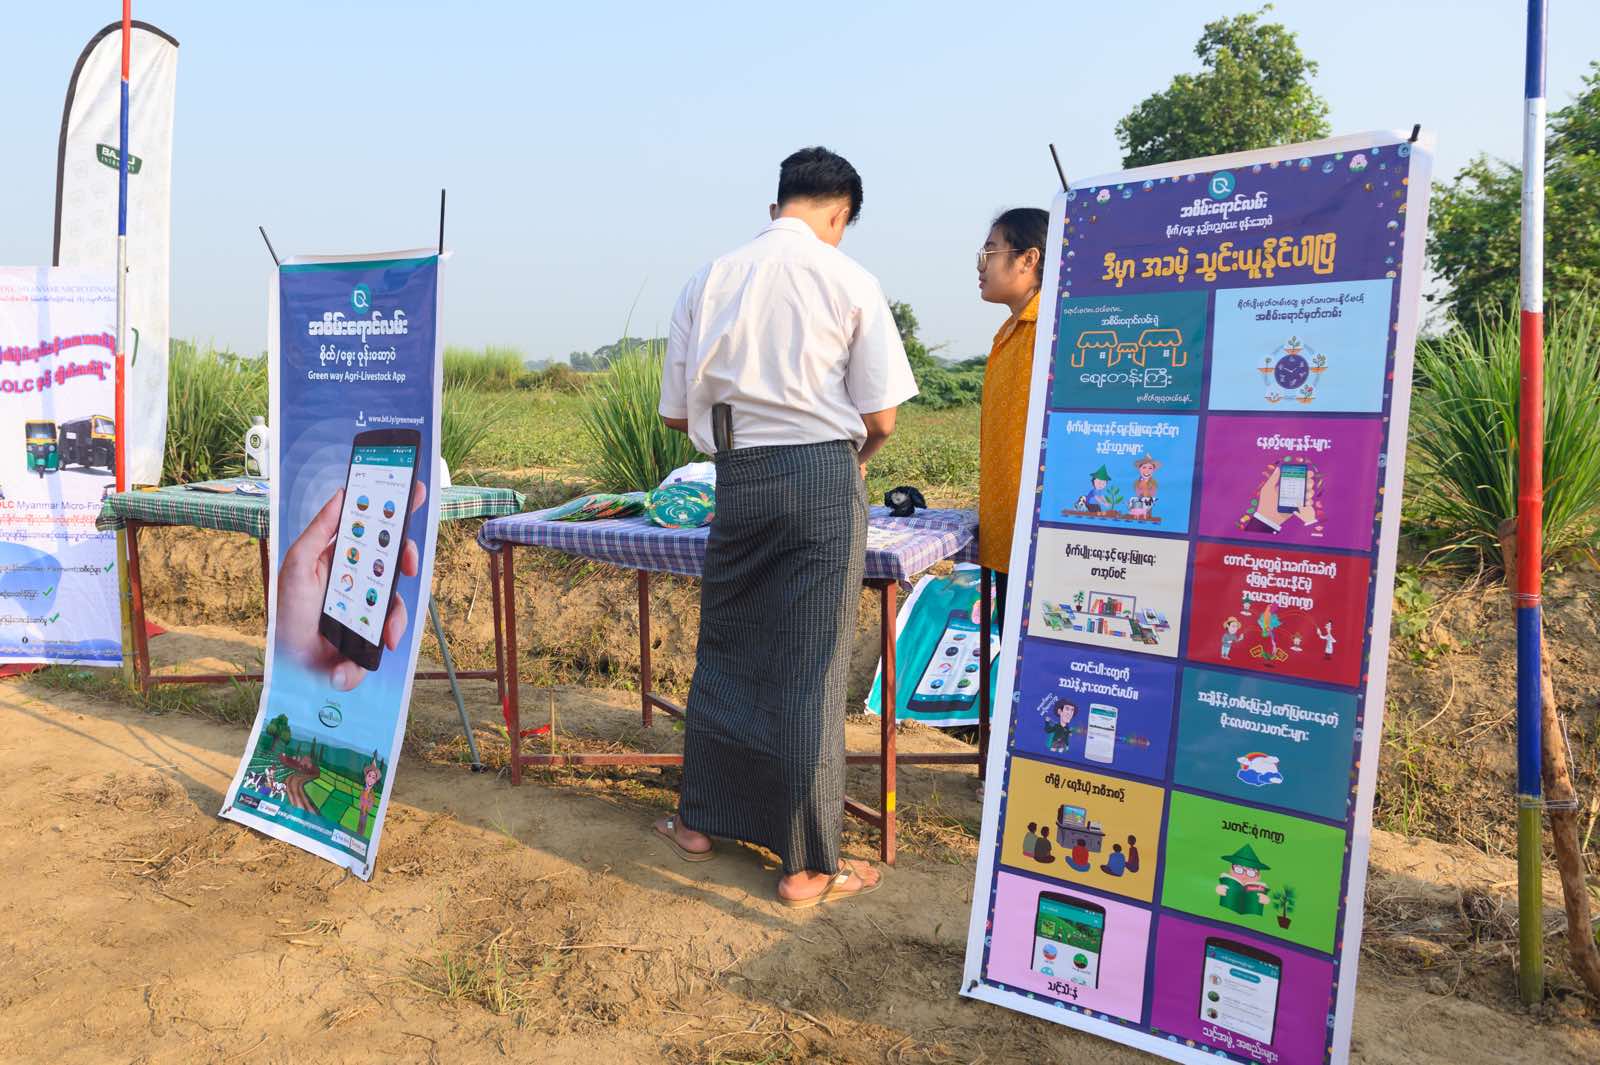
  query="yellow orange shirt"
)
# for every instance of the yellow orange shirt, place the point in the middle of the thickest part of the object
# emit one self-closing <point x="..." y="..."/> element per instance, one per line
<point x="1002" y="426"/>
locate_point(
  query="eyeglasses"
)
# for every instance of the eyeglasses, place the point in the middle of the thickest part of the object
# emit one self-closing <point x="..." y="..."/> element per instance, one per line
<point x="984" y="253"/>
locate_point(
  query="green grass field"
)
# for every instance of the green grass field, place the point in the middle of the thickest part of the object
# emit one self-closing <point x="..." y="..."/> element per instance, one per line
<point x="541" y="449"/>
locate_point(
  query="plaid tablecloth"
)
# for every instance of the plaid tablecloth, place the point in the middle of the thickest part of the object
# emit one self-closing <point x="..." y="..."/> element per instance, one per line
<point x="897" y="548"/>
<point x="178" y="505"/>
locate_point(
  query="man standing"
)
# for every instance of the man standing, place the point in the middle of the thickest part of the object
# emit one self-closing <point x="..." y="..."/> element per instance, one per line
<point x="799" y="341"/>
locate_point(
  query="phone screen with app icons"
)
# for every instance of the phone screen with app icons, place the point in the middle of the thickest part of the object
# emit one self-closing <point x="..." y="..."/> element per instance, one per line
<point x="366" y="553"/>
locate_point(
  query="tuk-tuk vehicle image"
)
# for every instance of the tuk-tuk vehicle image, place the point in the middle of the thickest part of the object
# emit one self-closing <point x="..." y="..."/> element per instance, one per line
<point x="42" y="454"/>
<point x="89" y="442"/>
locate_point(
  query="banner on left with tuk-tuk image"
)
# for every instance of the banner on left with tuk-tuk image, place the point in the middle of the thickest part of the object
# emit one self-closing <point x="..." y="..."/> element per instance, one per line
<point x="58" y="447"/>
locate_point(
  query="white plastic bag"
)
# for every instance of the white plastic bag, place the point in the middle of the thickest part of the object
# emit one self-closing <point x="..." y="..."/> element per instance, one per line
<point x="698" y="472"/>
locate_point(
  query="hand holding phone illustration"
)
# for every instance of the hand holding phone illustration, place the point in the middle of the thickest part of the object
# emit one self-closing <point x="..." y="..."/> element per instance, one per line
<point x="1289" y="491"/>
<point x="302" y="585"/>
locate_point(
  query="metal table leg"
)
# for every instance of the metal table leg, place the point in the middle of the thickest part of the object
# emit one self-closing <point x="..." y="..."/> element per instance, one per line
<point x="646" y="707"/>
<point x="266" y="579"/>
<point x="141" y="636"/>
<point x="886" y="627"/>
<point x="508" y="602"/>
<point x="455" y="689"/>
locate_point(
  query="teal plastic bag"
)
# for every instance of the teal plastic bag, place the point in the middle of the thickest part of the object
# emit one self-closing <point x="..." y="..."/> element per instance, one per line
<point x="940" y="616"/>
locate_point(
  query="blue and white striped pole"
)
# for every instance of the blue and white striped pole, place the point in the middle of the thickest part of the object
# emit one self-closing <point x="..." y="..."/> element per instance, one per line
<point x="1530" y="527"/>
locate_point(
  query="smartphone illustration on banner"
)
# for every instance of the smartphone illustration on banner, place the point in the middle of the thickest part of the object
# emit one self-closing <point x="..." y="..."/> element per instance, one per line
<point x="1291" y="486"/>
<point x="372" y="532"/>
<point x="949" y="682"/>
<point x="1239" y="989"/>
<point x="1100" y="743"/>
<point x="1067" y="935"/>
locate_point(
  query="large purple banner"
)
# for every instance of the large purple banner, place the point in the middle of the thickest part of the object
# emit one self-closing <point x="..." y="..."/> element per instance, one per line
<point x="1191" y="677"/>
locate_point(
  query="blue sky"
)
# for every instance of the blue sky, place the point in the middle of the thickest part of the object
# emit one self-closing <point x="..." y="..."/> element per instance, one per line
<point x="599" y="152"/>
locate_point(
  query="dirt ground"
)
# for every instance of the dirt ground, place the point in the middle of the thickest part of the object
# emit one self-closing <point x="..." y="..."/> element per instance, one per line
<point x="542" y="923"/>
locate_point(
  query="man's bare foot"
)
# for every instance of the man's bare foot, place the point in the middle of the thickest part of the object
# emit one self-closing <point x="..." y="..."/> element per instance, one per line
<point x="796" y="887"/>
<point x="686" y="840"/>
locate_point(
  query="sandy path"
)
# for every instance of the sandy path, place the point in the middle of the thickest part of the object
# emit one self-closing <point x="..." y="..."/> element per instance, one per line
<point x="136" y="927"/>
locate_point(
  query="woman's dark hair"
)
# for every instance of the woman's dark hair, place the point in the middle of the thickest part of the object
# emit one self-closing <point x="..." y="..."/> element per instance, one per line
<point x="1024" y="228"/>
<point x="818" y="174"/>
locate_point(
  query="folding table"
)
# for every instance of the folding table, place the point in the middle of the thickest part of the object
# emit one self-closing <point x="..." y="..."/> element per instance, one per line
<point x="179" y="505"/>
<point x="897" y="550"/>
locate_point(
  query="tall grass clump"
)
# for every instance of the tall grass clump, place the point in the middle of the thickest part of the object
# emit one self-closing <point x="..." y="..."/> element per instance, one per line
<point x="1464" y="431"/>
<point x="494" y="368"/>
<point x="467" y="419"/>
<point x="211" y="396"/>
<point x="634" y="450"/>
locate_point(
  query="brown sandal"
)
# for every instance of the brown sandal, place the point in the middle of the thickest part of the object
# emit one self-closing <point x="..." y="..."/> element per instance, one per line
<point x="834" y="892"/>
<point x="670" y="835"/>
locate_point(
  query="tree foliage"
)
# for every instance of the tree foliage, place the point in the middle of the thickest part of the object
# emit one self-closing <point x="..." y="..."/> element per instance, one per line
<point x="939" y="384"/>
<point x="601" y="358"/>
<point x="278" y="730"/>
<point x="1254" y="91"/>
<point x="1474" y="239"/>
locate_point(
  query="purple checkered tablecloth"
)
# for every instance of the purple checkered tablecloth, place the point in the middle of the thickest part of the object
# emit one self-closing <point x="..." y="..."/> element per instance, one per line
<point x="897" y="548"/>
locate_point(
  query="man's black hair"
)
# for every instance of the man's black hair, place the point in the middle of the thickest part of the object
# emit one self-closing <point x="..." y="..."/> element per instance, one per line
<point x="818" y="174"/>
<point x="1023" y="228"/>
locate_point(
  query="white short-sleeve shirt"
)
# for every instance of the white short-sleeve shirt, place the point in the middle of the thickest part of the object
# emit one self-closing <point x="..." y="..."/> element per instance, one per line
<point x="792" y="333"/>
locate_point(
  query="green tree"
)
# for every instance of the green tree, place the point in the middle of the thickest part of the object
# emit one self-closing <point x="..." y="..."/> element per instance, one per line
<point x="601" y="358"/>
<point x="917" y="353"/>
<point x="1474" y="239"/>
<point x="1254" y="91"/>
<point x="938" y="385"/>
<point x="278" y="731"/>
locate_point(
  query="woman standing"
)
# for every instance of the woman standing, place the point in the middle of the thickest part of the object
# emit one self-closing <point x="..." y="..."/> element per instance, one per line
<point x="1010" y="271"/>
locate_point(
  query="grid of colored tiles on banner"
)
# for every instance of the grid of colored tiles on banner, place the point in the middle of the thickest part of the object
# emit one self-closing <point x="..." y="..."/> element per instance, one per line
<point x="1172" y="853"/>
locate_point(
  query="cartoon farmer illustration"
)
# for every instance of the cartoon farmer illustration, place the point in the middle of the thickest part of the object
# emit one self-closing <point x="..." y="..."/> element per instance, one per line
<point x="370" y="776"/>
<point x="1144" y="489"/>
<point x="1094" y="501"/>
<point x="1241" y="888"/>
<point x="1232" y="633"/>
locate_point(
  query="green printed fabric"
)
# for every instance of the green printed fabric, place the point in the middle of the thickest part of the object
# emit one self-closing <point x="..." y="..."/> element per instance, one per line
<point x="598" y="506"/>
<point x="686" y="505"/>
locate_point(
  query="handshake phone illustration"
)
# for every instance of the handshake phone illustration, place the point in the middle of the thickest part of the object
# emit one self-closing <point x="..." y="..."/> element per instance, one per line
<point x="344" y="566"/>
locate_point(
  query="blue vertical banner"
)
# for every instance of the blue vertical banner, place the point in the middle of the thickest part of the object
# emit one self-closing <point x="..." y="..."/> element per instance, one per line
<point x="356" y="375"/>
